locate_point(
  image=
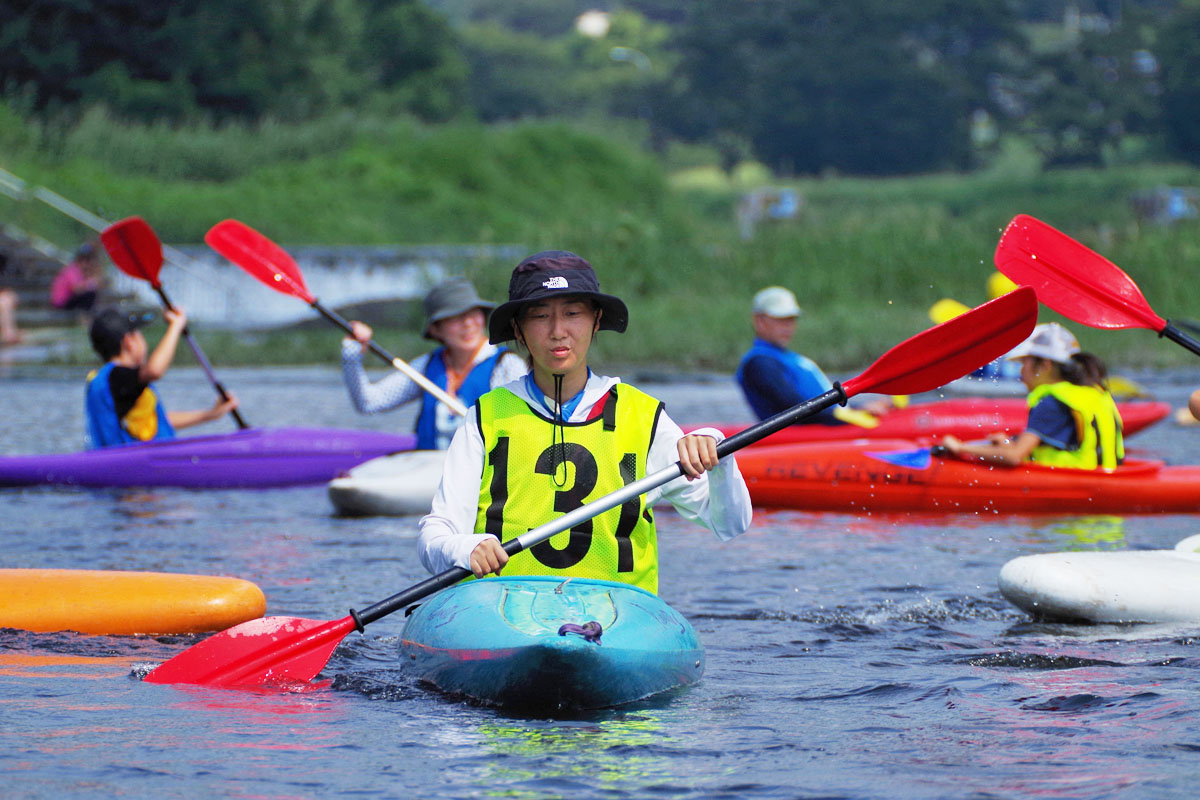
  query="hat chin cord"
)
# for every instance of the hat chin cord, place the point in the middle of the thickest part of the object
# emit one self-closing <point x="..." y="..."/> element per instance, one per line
<point x="558" y="433"/>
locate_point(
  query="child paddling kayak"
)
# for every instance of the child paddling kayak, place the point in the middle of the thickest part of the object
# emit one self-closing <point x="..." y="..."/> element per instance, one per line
<point x="121" y="405"/>
<point x="1073" y="421"/>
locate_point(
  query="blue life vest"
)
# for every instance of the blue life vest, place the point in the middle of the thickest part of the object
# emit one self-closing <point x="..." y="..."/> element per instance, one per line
<point x="794" y="369"/>
<point x="105" y="428"/>
<point x="436" y="424"/>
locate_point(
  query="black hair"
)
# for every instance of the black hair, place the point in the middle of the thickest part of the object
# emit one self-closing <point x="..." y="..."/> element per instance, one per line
<point x="1085" y="369"/>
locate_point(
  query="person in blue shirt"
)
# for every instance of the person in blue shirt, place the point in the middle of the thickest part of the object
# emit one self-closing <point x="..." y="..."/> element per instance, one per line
<point x="121" y="405"/>
<point x="774" y="378"/>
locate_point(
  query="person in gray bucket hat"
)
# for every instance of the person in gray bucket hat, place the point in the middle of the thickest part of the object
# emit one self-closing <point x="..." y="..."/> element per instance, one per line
<point x="561" y="436"/>
<point x="465" y="365"/>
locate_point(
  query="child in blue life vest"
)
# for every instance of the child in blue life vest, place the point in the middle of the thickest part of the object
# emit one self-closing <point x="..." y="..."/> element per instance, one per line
<point x="121" y="405"/>
<point x="561" y="436"/>
<point x="465" y="365"/>
<point x="774" y="378"/>
<point x="1073" y="421"/>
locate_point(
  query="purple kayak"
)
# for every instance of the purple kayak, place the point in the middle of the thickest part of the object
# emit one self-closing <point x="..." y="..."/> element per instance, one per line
<point x="255" y="458"/>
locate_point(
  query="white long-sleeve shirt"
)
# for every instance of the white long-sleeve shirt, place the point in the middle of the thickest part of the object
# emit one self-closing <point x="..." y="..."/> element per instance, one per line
<point x="395" y="389"/>
<point x="717" y="500"/>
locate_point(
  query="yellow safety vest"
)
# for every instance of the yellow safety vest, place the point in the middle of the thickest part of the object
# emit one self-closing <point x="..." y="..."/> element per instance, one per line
<point x="1097" y="426"/>
<point x="535" y="470"/>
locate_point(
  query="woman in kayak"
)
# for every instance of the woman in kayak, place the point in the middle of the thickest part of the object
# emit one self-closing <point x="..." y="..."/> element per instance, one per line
<point x="121" y="405"/>
<point x="561" y="436"/>
<point x="1073" y="421"/>
<point x="465" y="366"/>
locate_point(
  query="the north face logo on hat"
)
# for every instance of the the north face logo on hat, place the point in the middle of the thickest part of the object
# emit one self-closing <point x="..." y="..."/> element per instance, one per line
<point x="557" y="282"/>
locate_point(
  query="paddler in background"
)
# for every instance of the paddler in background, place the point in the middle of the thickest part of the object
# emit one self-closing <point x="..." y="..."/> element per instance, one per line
<point x="121" y="405"/>
<point x="1073" y="420"/>
<point x="774" y="378"/>
<point x="465" y="366"/>
<point x="561" y="436"/>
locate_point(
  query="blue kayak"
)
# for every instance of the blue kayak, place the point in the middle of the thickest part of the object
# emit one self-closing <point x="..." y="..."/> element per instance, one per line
<point x="544" y="644"/>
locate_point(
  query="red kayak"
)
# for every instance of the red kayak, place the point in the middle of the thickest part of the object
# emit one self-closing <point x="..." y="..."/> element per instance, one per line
<point x="900" y="475"/>
<point x="967" y="418"/>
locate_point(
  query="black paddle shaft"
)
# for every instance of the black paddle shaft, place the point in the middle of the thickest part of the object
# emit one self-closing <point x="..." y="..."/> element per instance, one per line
<point x="754" y="433"/>
<point x="344" y="324"/>
<point x="203" y="361"/>
<point x="1179" y="337"/>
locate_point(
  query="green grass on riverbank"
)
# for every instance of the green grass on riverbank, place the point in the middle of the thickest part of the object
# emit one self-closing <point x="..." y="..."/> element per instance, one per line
<point x="867" y="257"/>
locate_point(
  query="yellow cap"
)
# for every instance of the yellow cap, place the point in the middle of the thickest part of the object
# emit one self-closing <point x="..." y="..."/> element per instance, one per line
<point x="999" y="284"/>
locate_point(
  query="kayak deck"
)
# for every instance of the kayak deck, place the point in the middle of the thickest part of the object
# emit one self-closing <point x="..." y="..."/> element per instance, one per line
<point x="251" y="458"/>
<point x="400" y="484"/>
<point x="1106" y="586"/>
<point x="501" y="641"/>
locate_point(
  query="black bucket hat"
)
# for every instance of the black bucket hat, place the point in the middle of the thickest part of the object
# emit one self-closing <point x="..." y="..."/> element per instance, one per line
<point x="554" y="273"/>
<point x="109" y="327"/>
<point x="449" y="299"/>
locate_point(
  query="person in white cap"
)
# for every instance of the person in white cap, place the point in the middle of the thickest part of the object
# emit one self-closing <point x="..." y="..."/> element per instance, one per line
<point x="1073" y="421"/>
<point x="774" y="378"/>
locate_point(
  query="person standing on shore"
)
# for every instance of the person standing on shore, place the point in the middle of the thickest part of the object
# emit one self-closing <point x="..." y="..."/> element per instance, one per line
<point x="77" y="285"/>
<point x="9" y="333"/>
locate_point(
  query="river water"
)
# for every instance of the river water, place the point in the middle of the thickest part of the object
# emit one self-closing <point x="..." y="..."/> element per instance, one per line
<point x="857" y="656"/>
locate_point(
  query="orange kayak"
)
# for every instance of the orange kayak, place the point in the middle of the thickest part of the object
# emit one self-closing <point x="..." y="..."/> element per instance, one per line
<point x="901" y="475"/>
<point x="112" y="602"/>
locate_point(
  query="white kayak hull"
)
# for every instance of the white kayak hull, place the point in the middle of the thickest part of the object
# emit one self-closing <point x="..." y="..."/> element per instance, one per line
<point x="1109" y="586"/>
<point x="398" y="485"/>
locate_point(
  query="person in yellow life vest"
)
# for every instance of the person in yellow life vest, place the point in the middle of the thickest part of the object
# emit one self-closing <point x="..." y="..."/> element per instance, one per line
<point x="121" y="405"/>
<point x="1073" y="420"/>
<point x="561" y="436"/>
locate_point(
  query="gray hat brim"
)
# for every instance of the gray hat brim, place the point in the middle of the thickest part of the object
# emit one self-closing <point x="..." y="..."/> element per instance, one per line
<point x="447" y="313"/>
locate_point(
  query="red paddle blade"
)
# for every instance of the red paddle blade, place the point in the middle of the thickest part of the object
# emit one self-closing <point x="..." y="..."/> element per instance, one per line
<point x="135" y="249"/>
<point x="937" y="356"/>
<point x="259" y="256"/>
<point x="277" y="651"/>
<point x="1072" y="279"/>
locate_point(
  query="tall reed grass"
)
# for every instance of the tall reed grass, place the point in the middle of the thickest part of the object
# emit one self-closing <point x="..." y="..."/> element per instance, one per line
<point x="867" y="258"/>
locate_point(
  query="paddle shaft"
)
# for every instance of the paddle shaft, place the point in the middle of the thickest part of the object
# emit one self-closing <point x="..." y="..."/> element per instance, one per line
<point x="754" y="433"/>
<point x="204" y="364"/>
<point x="1179" y="337"/>
<point x="337" y="319"/>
